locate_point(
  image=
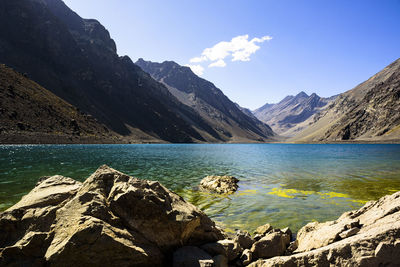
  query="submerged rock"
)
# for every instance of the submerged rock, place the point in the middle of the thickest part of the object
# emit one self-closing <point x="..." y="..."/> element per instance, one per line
<point x="220" y="184"/>
<point x="110" y="219"/>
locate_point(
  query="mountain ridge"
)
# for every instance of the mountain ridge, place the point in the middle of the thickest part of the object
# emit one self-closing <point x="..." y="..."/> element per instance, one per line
<point x="368" y="112"/>
<point x="217" y="109"/>
<point x="292" y="113"/>
<point x="76" y="59"/>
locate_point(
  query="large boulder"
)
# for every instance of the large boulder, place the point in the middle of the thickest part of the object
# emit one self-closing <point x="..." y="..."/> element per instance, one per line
<point x="220" y="184"/>
<point x="244" y="239"/>
<point x="110" y="219"/>
<point x="369" y="236"/>
<point x="271" y="245"/>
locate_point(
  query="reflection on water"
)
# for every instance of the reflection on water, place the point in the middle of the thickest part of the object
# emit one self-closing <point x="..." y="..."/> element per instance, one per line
<point x="284" y="185"/>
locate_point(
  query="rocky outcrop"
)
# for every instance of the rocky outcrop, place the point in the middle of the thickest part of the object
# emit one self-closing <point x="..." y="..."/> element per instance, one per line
<point x="369" y="236"/>
<point x="220" y="184"/>
<point x="110" y="219"/>
<point x="113" y="219"/>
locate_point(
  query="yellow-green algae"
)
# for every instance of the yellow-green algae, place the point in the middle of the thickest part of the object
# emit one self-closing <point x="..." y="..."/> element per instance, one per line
<point x="293" y="193"/>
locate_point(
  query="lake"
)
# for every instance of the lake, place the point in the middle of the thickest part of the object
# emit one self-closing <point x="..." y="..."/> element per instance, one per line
<point x="281" y="184"/>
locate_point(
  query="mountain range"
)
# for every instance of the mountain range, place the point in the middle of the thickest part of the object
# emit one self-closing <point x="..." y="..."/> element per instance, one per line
<point x="208" y="101"/>
<point x="76" y="59"/>
<point x="368" y="112"/>
<point x="62" y="74"/>
<point x="293" y="113"/>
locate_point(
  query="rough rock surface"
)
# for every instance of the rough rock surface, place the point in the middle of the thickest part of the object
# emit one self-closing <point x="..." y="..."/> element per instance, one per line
<point x="273" y="244"/>
<point x="220" y="184"/>
<point x="110" y="219"/>
<point x="190" y="256"/>
<point x="263" y="229"/>
<point x="376" y="243"/>
<point x="244" y="239"/>
<point x="116" y="220"/>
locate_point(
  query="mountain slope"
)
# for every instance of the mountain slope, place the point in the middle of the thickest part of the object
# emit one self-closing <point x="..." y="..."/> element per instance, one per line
<point x="214" y="107"/>
<point x="30" y="113"/>
<point x="77" y="60"/>
<point x="293" y="113"/>
<point x="369" y="112"/>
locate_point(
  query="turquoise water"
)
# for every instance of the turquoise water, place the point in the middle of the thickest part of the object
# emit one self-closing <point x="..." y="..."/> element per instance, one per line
<point x="280" y="184"/>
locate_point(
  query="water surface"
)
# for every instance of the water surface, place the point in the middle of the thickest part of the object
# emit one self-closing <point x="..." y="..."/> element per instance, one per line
<point x="280" y="184"/>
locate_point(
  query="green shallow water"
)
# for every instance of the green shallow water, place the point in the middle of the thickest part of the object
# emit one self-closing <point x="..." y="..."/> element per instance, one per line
<point x="280" y="184"/>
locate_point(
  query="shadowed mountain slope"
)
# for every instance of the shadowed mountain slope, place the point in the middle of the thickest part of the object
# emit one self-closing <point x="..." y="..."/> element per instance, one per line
<point x="77" y="60"/>
<point x="209" y="102"/>
<point x="29" y="112"/>
<point x="369" y="112"/>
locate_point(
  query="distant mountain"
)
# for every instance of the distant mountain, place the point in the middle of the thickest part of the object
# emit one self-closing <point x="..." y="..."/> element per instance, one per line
<point x="30" y="113"/>
<point x="77" y="60"/>
<point x="369" y="112"/>
<point x="293" y="113"/>
<point x="224" y="116"/>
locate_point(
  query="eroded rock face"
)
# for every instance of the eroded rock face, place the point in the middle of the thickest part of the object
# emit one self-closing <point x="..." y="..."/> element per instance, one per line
<point x="220" y="184"/>
<point x="366" y="237"/>
<point x="110" y="219"/>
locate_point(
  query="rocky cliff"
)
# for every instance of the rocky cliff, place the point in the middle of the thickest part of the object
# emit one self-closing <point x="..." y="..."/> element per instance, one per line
<point x="225" y="117"/>
<point x="369" y="112"/>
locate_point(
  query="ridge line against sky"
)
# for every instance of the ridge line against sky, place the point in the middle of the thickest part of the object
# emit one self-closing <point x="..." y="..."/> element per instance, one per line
<point x="326" y="47"/>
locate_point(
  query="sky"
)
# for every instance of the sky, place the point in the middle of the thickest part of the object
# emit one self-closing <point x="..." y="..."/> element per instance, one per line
<point x="256" y="51"/>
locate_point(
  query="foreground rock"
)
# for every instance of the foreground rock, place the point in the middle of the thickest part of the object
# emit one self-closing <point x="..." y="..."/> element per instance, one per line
<point x="116" y="220"/>
<point x="369" y="236"/>
<point x="220" y="184"/>
<point x="110" y="219"/>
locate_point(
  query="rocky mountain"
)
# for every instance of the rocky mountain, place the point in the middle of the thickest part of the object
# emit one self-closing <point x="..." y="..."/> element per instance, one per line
<point x="228" y="120"/>
<point x="76" y="59"/>
<point x="293" y="113"/>
<point x="29" y="114"/>
<point x="369" y="112"/>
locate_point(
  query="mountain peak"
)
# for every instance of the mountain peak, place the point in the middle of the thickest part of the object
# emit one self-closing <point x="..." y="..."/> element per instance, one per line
<point x="314" y="95"/>
<point x="301" y="94"/>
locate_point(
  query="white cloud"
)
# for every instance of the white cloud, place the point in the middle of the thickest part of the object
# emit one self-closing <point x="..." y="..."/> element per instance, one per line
<point x="240" y="48"/>
<point x="197" y="59"/>
<point x="197" y="69"/>
<point x="220" y="63"/>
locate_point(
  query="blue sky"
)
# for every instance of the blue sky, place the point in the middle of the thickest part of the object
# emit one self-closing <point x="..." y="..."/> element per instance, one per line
<point x="326" y="47"/>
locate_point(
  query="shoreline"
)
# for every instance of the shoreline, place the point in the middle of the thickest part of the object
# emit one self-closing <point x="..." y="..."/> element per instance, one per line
<point x="100" y="142"/>
<point x="83" y="207"/>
